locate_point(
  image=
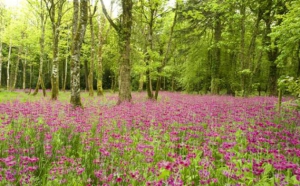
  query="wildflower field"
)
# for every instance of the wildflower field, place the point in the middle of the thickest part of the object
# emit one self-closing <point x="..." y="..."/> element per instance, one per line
<point x="179" y="140"/>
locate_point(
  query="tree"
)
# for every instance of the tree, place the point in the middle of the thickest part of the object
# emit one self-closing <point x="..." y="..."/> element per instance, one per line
<point x="40" y="11"/>
<point x="55" y="11"/>
<point x="124" y="33"/>
<point x="79" y="28"/>
<point x="93" y="51"/>
<point x="101" y="40"/>
<point x="1" y="30"/>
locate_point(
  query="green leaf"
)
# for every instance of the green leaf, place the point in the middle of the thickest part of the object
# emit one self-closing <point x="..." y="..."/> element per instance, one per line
<point x="164" y="174"/>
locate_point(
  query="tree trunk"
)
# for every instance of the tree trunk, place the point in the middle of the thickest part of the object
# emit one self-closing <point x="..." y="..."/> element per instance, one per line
<point x="40" y="82"/>
<point x="24" y="71"/>
<point x="100" y="70"/>
<point x="298" y="57"/>
<point x="125" y="66"/>
<point x="55" y="10"/>
<point x="242" y="49"/>
<point x="16" y="70"/>
<point x="141" y="82"/>
<point x="76" y="48"/>
<point x="124" y="32"/>
<point x="55" y="65"/>
<point x="30" y="79"/>
<point x="215" y="81"/>
<point x="86" y="74"/>
<point x="101" y="42"/>
<point x="272" y="53"/>
<point x="8" y="65"/>
<point x="66" y="74"/>
<point x="158" y="84"/>
<point x="251" y="50"/>
<point x="100" y="58"/>
<point x="0" y="63"/>
<point x="149" y="44"/>
<point x="91" y="74"/>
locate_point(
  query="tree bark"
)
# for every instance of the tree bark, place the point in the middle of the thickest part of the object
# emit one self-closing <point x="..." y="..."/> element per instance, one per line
<point x="0" y="63"/>
<point x="16" y="69"/>
<point x="124" y="32"/>
<point x="158" y="84"/>
<point x="30" y="78"/>
<point x="251" y="50"/>
<point x="153" y="10"/>
<point x="298" y="58"/>
<point x="86" y="74"/>
<point x="217" y="56"/>
<point x="76" y="50"/>
<point x="100" y="57"/>
<point x="271" y="52"/>
<point x="40" y="82"/>
<point x="66" y="74"/>
<point x="24" y="71"/>
<point x="91" y="74"/>
<point x="8" y="65"/>
<point x="242" y="49"/>
<point x="141" y="82"/>
<point x="55" y="10"/>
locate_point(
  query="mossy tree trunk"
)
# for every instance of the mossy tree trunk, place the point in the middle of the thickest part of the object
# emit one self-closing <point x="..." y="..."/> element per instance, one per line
<point x="100" y="57"/>
<point x="124" y="33"/>
<point x="78" y="37"/>
<point x="93" y="51"/>
<point x="55" y="11"/>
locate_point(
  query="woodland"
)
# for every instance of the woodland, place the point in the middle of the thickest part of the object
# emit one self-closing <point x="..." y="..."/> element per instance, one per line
<point x="150" y="92"/>
<point x="231" y="47"/>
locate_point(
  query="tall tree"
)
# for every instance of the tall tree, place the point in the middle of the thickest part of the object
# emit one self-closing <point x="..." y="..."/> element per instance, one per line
<point x="124" y="33"/>
<point x="14" y="80"/>
<point x="1" y="29"/>
<point x="55" y="11"/>
<point x="24" y="70"/>
<point x="8" y="65"/>
<point x="101" y="40"/>
<point x="43" y="19"/>
<point x="78" y="36"/>
<point x="0" y="63"/>
<point x="166" y="54"/>
<point x="93" y="51"/>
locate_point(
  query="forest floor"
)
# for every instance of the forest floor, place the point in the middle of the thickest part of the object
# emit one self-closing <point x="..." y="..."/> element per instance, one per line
<point x="180" y="139"/>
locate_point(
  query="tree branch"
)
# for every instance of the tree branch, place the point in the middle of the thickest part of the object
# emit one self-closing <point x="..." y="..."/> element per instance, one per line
<point x="109" y="18"/>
